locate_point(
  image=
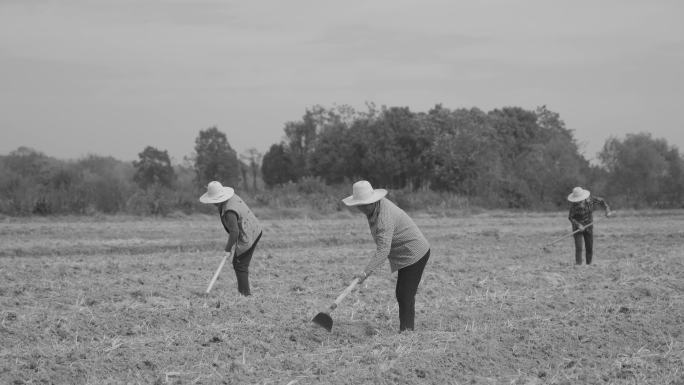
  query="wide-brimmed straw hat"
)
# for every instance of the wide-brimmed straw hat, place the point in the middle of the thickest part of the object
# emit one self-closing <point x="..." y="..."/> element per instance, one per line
<point x="216" y="193"/>
<point x="363" y="194"/>
<point x="578" y="194"/>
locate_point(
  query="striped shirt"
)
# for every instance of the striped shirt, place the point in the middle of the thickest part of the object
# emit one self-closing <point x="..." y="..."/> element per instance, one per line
<point x="581" y="212"/>
<point x="396" y="236"/>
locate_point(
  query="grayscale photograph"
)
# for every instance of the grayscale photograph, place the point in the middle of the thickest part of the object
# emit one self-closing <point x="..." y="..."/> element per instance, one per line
<point x="354" y="192"/>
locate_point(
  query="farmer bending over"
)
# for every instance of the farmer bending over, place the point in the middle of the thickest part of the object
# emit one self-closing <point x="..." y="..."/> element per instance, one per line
<point x="398" y="239"/>
<point x="580" y="216"/>
<point x="244" y="230"/>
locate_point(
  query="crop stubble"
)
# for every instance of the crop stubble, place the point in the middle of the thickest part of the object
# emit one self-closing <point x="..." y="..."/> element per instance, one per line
<point x="119" y="300"/>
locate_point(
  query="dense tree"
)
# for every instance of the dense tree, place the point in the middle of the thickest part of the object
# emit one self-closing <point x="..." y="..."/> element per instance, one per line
<point x="336" y="156"/>
<point x="26" y="161"/>
<point x="107" y="182"/>
<point x="215" y="159"/>
<point x="340" y="146"/>
<point x="93" y="184"/>
<point x="413" y="142"/>
<point x="560" y="166"/>
<point x="673" y="190"/>
<point x="538" y="154"/>
<point x="301" y="138"/>
<point x="276" y="167"/>
<point x="378" y="151"/>
<point x="641" y="168"/>
<point x="509" y="157"/>
<point x="21" y="181"/>
<point x="153" y="168"/>
<point x="464" y="159"/>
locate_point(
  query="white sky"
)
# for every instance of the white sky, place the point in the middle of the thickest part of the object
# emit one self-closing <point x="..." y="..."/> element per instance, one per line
<point x="110" y="77"/>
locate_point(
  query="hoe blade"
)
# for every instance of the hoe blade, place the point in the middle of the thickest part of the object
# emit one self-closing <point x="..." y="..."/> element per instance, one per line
<point x="323" y="320"/>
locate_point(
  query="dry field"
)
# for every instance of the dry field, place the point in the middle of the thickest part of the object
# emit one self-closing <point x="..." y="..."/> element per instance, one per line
<point x="120" y="300"/>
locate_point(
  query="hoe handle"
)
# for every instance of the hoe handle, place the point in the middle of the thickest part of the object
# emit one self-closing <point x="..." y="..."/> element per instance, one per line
<point x="569" y="235"/>
<point x="346" y="292"/>
<point x="218" y="271"/>
<point x="608" y="215"/>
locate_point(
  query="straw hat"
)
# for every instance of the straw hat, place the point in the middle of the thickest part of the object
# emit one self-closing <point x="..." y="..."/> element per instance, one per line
<point x="363" y="194"/>
<point x="216" y="193"/>
<point x="578" y="194"/>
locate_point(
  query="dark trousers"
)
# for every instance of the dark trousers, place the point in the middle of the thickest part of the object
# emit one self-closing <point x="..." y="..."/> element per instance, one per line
<point x="241" y="266"/>
<point x="588" y="237"/>
<point x="407" y="287"/>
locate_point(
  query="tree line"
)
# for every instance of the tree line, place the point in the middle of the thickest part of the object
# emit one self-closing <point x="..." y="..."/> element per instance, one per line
<point x="504" y="158"/>
<point x="33" y="183"/>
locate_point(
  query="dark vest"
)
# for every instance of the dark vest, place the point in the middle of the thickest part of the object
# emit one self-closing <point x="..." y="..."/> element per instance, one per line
<point x="247" y="223"/>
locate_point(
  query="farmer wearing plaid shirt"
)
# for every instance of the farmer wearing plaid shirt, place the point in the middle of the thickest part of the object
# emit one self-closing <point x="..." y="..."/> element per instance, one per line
<point x="581" y="209"/>
<point x="398" y="239"/>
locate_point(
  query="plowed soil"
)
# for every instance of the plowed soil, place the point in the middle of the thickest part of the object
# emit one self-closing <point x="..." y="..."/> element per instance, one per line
<point x="121" y="300"/>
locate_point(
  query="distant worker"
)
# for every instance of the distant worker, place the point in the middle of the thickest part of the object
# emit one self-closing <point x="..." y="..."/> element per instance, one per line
<point x="244" y="230"/>
<point x="398" y="239"/>
<point x="581" y="210"/>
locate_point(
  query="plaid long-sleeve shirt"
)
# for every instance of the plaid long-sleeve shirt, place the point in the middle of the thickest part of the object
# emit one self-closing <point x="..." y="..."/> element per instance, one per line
<point x="396" y="236"/>
<point x="581" y="212"/>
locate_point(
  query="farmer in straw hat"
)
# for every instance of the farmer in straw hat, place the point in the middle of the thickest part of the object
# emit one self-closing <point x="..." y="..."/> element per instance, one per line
<point x="581" y="209"/>
<point x="398" y="239"/>
<point x="244" y="230"/>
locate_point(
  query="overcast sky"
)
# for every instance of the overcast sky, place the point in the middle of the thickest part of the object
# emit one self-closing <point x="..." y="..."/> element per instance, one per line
<point x="110" y="77"/>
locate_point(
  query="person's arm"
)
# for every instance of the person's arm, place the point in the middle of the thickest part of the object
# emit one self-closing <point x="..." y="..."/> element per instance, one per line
<point x="383" y="241"/>
<point x="233" y="229"/>
<point x="602" y="202"/>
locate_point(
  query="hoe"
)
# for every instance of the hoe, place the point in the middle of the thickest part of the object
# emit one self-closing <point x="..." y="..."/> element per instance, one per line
<point x="216" y="274"/>
<point x="323" y="318"/>
<point x="545" y="247"/>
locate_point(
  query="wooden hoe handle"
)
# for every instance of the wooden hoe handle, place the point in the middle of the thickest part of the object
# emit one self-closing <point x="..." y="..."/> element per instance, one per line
<point x="567" y="236"/>
<point x="346" y="292"/>
<point x="218" y="271"/>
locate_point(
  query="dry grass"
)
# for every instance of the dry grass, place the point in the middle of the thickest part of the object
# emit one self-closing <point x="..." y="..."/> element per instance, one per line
<point x="119" y="300"/>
